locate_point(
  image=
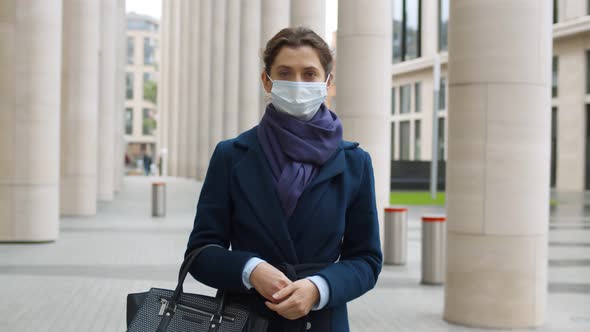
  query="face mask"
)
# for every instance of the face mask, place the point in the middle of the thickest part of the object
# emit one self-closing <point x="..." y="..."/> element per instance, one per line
<point x="298" y="99"/>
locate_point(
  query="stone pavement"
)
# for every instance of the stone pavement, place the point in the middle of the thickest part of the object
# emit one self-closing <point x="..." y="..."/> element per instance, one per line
<point x="79" y="282"/>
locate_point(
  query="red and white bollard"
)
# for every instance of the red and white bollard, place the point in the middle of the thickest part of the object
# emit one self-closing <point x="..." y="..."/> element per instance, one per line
<point x="434" y="235"/>
<point x="396" y="235"/>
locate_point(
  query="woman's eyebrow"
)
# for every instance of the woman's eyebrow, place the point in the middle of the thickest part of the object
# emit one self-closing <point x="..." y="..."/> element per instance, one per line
<point x="283" y="67"/>
<point x="311" y="68"/>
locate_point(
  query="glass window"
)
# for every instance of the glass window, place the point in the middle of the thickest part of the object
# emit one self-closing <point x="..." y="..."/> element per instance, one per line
<point x="149" y="122"/>
<point x="141" y="24"/>
<point x="441" y="138"/>
<point x="442" y="95"/>
<point x="149" y="54"/>
<point x="406" y="30"/>
<point x="412" y="29"/>
<point x="393" y="141"/>
<point x="443" y="24"/>
<point x="129" y="121"/>
<point x="129" y="85"/>
<point x="398" y="18"/>
<point x="405" y="94"/>
<point x="150" y="88"/>
<point x="404" y="140"/>
<point x="555" y="11"/>
<point x="147" y="76"/>
<point x="130" y="50"/>
<point x="418" y="97"/>
<point x="417" y="141"/>
<point x="392" y="100"/>
<point x="588" y="72"/>
<point x="553" y="145"/>
<point x="555" y="68"/>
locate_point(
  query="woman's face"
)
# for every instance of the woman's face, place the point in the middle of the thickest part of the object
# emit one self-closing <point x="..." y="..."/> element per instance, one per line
<point x="301" y="64"/>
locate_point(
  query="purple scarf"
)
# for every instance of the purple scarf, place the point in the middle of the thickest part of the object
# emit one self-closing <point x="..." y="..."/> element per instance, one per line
<point x="295" y="149"/>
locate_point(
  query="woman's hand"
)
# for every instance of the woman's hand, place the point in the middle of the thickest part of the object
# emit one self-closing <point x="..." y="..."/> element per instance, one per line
<point x="295" y="300"/>
<point x="268" y="280"/>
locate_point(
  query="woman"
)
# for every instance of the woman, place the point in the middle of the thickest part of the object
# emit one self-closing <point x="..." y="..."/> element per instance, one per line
<point x="295" y="202"/>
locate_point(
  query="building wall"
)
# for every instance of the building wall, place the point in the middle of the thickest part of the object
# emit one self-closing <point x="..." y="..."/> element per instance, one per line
<point x="137" y="140"/>
<point x="574" y="20"/>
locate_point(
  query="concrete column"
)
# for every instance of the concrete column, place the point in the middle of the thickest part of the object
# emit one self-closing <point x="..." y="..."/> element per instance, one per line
<point x="312" y="14"/>
<point x="164" y="86"/>
<point x="217" y="76"/>
<point x="107" y="101"/>
<point x="79" y="109"/>
<point x="364" y="83"/>
<point x="193" y="115"/>
<point x="571" y="113"/>
<point x="119" y="117"/>
<point x="249" y="102"/>
<point x="183" y="89"/>
<point x="275" y="17"/>
<point x="204" y="86"/>
<point x="174" y="87"/>
<point x="232" y="69"/>
<point x="498" y="162"/>
<point x="30" y="62"/>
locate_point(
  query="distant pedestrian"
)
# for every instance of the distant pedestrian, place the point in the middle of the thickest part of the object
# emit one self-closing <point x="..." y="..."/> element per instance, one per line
<point x="147" y="163"/>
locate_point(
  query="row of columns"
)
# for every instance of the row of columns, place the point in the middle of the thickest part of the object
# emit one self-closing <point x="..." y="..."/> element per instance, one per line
<point x="61" y="109"/>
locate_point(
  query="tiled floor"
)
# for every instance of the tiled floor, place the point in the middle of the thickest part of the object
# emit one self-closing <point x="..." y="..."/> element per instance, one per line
<point x="79" y="283"/>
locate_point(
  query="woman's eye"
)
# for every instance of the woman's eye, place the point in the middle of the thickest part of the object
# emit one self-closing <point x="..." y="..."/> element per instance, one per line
<point x="310" y="75"/>
<point x="283" y="74"/>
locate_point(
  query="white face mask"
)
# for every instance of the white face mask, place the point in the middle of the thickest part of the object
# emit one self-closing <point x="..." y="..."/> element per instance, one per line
<point x="298" y="99"/>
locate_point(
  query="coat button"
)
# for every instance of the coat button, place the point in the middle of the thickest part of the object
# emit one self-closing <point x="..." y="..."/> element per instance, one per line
<point x="308" y="326"/>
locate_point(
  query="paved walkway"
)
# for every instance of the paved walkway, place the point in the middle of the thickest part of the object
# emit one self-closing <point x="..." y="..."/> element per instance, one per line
<point x="79" y="283"/>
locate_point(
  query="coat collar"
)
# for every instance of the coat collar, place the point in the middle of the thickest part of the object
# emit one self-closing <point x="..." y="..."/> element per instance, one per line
<point x="254" y="176"/>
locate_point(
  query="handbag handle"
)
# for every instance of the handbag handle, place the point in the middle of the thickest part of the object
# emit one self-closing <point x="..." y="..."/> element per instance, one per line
<point x="185" y="267"/>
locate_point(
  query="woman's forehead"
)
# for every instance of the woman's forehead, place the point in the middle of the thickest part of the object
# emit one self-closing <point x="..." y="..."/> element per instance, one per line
<point x="301" y="57"/>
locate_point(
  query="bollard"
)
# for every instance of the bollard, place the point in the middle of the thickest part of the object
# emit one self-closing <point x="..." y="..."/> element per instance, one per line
<point x="158" y="199"/>
<point x="433" y="249"/>
<point x="396" y="235"/>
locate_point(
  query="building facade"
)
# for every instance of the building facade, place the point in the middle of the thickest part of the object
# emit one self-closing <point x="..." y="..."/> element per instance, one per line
<point x="141" y="85"/>
<point x="420" y="34"/>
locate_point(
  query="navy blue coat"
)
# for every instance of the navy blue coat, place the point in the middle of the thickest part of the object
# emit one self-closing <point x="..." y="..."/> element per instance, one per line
<point x="335" y="223"/>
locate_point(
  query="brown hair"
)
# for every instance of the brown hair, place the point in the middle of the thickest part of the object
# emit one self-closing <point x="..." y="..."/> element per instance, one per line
<point x="297" y="37"/>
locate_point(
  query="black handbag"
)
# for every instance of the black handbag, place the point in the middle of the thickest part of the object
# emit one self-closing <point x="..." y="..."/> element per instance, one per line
<point x="164" y="310"/>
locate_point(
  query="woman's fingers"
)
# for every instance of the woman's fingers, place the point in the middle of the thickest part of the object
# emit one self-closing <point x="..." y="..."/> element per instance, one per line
<point x="284" y="293"/>
<point x="297" y="301"/>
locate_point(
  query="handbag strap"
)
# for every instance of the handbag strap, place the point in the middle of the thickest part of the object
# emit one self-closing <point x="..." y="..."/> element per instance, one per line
<point x="185" y="267"/>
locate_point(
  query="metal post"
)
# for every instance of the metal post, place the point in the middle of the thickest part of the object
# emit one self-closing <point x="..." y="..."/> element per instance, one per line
<point x="158" y="199"/>
<point x="434" y="163"/>
<point x="396" y="235"/>
<point x="433" y="249"/>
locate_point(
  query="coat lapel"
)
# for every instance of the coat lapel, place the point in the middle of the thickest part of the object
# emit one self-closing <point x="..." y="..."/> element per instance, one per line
<point x="254" y="177"/>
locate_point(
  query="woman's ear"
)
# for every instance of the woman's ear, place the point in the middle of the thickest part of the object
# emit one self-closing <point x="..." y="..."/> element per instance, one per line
<point x="266" y="83"/>
<point x="330" y="80"/>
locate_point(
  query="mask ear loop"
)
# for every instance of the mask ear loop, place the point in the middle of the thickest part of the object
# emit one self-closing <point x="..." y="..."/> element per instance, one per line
<point x="327" y="79"/>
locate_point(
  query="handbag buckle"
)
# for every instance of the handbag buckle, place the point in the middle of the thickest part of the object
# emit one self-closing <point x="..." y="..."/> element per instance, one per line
<point x="165" y="303"/>
<point x="213" y="317"/>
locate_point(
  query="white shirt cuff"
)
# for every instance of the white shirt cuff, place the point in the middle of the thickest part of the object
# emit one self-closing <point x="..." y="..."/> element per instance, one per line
<point x="251" y="264"/>
<point x="324" y="290"/>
